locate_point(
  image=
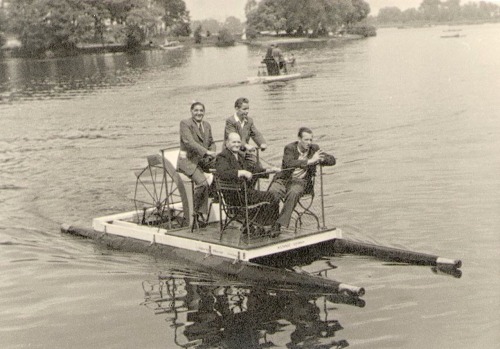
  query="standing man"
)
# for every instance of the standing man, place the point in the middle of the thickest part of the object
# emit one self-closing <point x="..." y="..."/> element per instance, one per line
<point x="299" y="167"/>
<point x="197" y="153"/>
<point x="271" y="64"/>
<point x="278" y="57"/>
<point x="232" y="165"/>
<point x="243" y="125"/>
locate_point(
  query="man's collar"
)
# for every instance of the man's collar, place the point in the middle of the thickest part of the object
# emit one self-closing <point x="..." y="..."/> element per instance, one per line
<point x="238" y="119"/>
<point x="302" y="151"/>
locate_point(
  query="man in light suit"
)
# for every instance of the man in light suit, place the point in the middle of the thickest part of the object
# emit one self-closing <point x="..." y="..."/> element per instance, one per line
<point x="197" y="152"/>
<point x="232" y="165"/>
<point x="243" y="125"/>
<point x="298" y="168"/>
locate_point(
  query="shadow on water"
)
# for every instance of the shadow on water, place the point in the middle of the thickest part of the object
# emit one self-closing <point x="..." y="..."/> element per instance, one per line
<point x="215" y="314"/>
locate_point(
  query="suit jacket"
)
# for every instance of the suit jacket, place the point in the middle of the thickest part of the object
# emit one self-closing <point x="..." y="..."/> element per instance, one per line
<point x="194" y="145"/>
<point x="246" y="132"/>
<point x="227" y="166"/>
<point x="291" y="161"/>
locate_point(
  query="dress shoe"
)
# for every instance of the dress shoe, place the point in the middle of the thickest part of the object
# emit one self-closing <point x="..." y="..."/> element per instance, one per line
<point x="275" y="230"/>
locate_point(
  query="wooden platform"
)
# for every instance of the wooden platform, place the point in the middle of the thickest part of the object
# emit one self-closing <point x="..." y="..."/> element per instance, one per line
<point x="208" y="240"/>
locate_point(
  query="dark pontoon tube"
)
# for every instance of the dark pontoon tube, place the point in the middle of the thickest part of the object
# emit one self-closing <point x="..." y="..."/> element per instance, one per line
<point x="392" y="254"/>
<point x="247" y="271"/>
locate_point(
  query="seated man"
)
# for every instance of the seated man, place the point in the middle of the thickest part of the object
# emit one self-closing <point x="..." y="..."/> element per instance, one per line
<point x="231" y="165"/>
<point x="299" y="166"/>
<point x="196" y="153"/>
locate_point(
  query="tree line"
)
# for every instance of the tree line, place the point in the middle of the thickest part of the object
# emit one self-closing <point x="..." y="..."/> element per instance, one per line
<point x="61" y="25"/>
<point x="304" y="17"/>
<point x="43" y="25"/>
<point x="441" y="11"/>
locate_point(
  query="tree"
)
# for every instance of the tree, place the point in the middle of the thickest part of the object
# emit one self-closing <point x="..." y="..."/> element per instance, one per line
<point x="302" y="16"/>
<point x="50" y="24"/>
<point x="134" y="37"/>
<point x="250" y="6"/>
<point x="389" y="14"/>
<point x="233" y="25"/>
<point x="197" y="35"/>
<point x="430" y="9"/>
<point x="225" y="38"/>
<point x="175" y="14"/>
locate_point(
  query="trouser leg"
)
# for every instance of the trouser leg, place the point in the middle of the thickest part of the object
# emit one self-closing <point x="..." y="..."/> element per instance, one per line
<point x="200" y="192"/>
<point x="295" y="189"/>
<point x="268" y="214"/>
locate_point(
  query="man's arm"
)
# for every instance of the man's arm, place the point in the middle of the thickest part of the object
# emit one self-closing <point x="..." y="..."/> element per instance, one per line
<point x="327" y="160"/>
<point x="212" y="147"/>
<point x="189" y="141"/>
<point x="290" y="159"/>
<point x="256" y="136"/>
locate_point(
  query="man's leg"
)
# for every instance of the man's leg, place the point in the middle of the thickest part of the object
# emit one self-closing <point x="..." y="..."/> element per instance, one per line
<point x="278" y="188"/>
<point x="200" y="195"/>
<point x="268" y="214"/>
<point x="293" y="194"/>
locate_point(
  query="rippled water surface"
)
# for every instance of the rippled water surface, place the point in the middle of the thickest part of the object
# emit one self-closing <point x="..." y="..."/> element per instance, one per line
<point x="413" y="119"/>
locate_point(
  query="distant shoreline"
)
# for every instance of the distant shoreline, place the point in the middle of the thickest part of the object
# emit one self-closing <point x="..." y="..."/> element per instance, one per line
<point x="267" y="40"/>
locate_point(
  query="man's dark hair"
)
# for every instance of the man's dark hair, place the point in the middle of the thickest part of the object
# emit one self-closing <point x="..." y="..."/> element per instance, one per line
<point x="303" y="130"/>
<point x="239" y="102"/>
<point x="197" y="103"/>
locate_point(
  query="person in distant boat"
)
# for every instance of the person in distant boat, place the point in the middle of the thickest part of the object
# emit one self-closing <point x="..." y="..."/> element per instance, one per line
<point x="232" y="165"/>
<point x="244" y="125"/>
<point x="298" y="168"/>
<point x="197" y="156"/>
<point x="271" y="64"/>
<point x="280" y="60"/>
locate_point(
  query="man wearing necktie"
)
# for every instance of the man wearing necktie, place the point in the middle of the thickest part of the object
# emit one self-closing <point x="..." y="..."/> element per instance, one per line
<point x="197" y="151"/>
<point x="232" y="165"/>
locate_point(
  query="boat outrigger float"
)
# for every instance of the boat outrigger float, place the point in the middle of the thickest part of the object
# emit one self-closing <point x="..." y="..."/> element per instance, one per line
<point x="162" y="223"/>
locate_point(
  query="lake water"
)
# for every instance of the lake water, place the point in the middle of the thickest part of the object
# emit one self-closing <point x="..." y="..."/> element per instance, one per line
<point x="412" y="118"/>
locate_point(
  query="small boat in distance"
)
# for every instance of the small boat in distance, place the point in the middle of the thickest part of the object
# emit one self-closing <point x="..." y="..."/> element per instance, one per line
<point x="265" y="75"/>
<point x="452" y="36"/>
<point x="170" y="45"/>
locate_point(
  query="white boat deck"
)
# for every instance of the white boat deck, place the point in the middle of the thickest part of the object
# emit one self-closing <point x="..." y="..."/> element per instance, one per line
<point x="232" y="244"/>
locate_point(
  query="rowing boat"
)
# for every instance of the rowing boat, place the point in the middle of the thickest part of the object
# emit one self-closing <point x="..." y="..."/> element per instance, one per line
<point x="266" y="79"/>
<point x="162" y="223"/>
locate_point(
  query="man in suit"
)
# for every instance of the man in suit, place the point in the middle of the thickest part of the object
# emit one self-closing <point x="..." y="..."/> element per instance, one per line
<point x="243" y="125"/>
<point x="197" y="152"/>
<point x="232" y="165"/>
<point x="298" y="168"/>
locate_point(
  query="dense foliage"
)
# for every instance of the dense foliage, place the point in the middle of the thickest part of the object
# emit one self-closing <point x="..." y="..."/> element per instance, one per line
<point x="43" y="25"/>
<point x="225" y="38"/>
<point x="304" y="17"/>
<point x="441" y="11"/>
<point x="232" y="24"/>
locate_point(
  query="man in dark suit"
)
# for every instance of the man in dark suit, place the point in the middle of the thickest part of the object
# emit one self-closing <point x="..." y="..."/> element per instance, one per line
<point x="233" y="165"/>
<point x="298" y="168"/>
<point x="244" y="125"/>
<point x="197" y="152"/>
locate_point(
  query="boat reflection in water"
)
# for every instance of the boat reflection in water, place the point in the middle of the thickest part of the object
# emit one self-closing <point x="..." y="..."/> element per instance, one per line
<point x="214" y="315"/>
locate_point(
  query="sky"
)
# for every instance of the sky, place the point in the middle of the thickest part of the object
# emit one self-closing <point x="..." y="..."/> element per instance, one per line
<point x="221" y="9"/>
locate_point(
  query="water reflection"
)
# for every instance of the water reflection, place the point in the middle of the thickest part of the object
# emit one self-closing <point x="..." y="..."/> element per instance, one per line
<point x="216" y="315"/>
<point x="61" y="78"/>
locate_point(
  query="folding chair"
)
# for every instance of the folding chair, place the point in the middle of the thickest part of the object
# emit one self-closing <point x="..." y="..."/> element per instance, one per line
<point x="233" y="201"/>
<point x="304" y="205"/>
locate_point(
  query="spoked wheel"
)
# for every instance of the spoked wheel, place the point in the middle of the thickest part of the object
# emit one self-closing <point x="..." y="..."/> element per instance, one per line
<point x="160" y="197"/>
